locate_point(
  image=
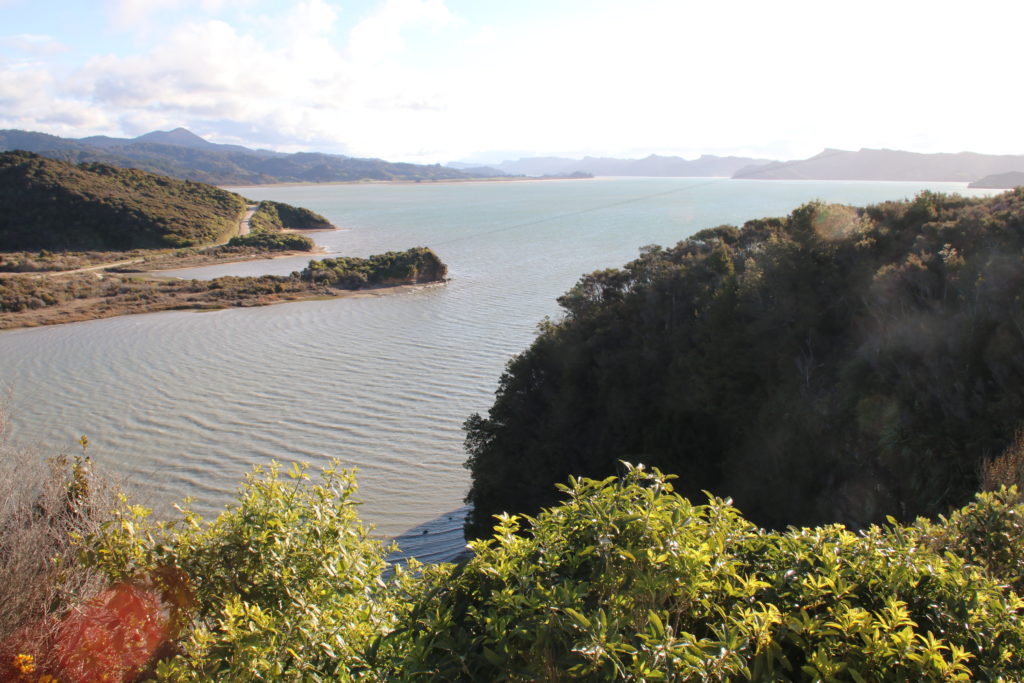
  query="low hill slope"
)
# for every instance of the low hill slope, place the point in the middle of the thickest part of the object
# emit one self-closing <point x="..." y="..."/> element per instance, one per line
<point x="1001" y="181"/>
<point x="47" y="204"/>
<point x="839" y="364"/>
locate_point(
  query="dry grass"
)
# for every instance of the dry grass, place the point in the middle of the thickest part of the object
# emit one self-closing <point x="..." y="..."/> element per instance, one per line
<point x="44" y="505"/>
<point x="1006" y="469"/>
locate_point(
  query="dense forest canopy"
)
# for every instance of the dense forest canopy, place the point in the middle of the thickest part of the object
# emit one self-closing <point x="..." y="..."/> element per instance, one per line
<point x="839" y="364"/>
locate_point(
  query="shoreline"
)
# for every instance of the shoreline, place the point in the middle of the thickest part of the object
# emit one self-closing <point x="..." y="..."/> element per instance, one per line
<point x="161" y="260"/>
<point x="100" y="307"/>
<point x="95" y="293"/>
<point x="291" y="253"/>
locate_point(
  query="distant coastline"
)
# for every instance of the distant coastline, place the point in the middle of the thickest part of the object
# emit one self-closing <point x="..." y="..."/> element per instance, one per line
<point x="448" y="181"/>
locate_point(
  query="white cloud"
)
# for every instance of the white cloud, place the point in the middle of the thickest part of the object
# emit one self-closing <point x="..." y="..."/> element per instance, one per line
<point x="129" y="13"/>
<point x="380" y="36"/>
<point x="138" y="14"/>
<point x="414" y="81"/>
<point x="26" y="102"/>
<point x="486" y="35"/>
<point x="33" y="44"/>
<point x="205" y="73"/>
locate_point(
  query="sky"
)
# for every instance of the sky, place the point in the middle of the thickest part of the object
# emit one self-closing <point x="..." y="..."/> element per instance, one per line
<point x="431" y="81"/>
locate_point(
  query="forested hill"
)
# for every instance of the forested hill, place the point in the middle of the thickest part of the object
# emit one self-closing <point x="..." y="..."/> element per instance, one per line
<point x="182" y="154"/>
<point x="839" y="364"/>
<point x="48" y="204"/>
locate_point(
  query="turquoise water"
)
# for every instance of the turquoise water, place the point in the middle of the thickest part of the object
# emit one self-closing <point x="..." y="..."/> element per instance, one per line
<point x="184" y="403"/>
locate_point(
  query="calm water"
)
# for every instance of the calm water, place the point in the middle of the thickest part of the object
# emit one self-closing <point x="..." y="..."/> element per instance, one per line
<point x="184" y="403"/>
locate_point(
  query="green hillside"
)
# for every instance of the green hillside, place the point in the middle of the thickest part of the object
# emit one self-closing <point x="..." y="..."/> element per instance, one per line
<point x="839" y="364"/>
<point x="47" y="204"/>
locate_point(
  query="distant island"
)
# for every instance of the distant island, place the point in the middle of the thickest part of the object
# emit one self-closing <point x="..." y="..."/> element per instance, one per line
<point x="1000" y="181"/>
<point x="82" y="242"/>
<point x="575" y="175"/>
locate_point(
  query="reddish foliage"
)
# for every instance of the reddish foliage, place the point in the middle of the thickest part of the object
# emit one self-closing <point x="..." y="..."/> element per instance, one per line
<point x="110" y="638"/>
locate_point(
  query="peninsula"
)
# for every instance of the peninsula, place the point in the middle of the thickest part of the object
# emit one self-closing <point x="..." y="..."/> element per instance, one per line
<point x="83" y="242"/>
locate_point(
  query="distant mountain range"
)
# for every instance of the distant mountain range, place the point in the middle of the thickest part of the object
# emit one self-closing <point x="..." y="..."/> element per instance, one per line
<point x="831" y="164"/>
<point x="181" y="154"/>
<point x="651" y="166"/>
<point x="886" y="164"/>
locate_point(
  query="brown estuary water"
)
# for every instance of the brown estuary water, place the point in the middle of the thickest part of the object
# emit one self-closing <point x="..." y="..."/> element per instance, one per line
<point x="185" y="403"/>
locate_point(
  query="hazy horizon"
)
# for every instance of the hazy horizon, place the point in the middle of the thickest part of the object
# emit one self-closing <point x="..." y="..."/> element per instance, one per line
<point x="435" y="81"/>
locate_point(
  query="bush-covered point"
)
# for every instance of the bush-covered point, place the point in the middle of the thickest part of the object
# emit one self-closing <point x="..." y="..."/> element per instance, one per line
<point x="839" y="364"/>
<point x="418" y="264"/>
<point x="275" y="216"/>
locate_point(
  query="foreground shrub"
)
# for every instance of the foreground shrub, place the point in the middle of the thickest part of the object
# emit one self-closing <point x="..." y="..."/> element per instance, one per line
<point x="990" y="533"/>
<point x="629" y="581"/>
<point x="286" y="583"/>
